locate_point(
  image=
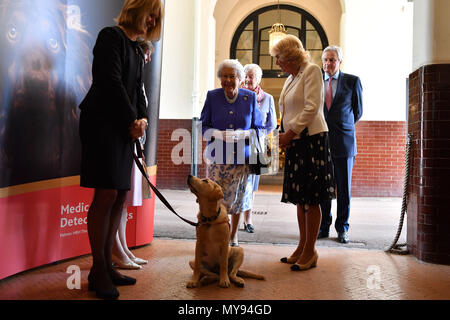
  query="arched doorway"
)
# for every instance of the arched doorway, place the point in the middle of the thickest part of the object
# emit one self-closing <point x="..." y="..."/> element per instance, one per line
<point x="250" y="44"/>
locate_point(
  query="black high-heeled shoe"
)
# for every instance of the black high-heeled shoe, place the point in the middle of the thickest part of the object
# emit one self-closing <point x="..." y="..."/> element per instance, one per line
<point x="123" y="281"/>
<point x="119" y="279"/>
<point x="249" y="228"/>
<point x="111" y="294"/>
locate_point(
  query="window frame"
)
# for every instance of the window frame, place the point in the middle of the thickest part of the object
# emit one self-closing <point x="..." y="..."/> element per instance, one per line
<point x="253" y="17"/>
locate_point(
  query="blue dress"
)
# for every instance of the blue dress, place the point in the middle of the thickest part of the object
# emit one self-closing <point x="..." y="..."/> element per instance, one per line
<point x="228" y="162"/>
<point x="220" y="114"/>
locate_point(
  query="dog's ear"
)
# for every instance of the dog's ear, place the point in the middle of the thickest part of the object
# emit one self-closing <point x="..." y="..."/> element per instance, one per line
<point x="218" y="194"/>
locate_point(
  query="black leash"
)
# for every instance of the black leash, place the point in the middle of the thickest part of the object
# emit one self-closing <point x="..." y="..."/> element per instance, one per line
<point x="160" y="196"/>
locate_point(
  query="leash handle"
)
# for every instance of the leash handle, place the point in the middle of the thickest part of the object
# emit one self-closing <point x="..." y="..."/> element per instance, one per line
<point x="158" y="194"/>
<point x="139" y="152"/>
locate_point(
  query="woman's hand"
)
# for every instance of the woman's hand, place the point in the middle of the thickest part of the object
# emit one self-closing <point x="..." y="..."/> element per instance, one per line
<point x="285" y="139"/>
<point x="137" y="128"/>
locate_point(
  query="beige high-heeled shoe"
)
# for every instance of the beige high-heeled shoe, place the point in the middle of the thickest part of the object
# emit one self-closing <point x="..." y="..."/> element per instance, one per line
<point x="310" y="264"/>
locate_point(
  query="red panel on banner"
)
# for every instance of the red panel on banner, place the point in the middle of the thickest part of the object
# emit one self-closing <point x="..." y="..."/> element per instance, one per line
<point x="41" y="227"/>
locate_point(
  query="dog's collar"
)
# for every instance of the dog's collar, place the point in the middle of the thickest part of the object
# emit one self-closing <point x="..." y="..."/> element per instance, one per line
<point x="209" y="219"/>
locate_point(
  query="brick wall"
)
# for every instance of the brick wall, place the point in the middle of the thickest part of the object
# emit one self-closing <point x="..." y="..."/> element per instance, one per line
<point x="428" y="228"/>
<point x="171" y="175"/>
<point x="380" y="162"/>
<point x="378" y="170"/>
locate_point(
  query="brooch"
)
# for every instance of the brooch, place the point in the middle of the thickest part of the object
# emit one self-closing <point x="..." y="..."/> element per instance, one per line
<point x="245" y="97"/>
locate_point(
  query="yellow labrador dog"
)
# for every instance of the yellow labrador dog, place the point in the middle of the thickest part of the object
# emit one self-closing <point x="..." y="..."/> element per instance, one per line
<point x="214" y="260"/>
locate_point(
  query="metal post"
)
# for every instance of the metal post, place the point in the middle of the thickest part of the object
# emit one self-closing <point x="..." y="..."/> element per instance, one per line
<point x="194" y="146"/>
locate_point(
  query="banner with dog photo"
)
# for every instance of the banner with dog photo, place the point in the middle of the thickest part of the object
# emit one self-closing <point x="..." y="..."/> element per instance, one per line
<point x="45" y="68"/>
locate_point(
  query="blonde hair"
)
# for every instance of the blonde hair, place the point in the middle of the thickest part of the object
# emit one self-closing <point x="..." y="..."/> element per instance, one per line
<point x="290" y="48"/>
<point x="134" y="12"/>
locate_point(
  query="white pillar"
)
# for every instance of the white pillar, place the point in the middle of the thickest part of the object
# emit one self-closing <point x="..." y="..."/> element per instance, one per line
<point x="197" y="53"/>
<point x="431" y="40"/>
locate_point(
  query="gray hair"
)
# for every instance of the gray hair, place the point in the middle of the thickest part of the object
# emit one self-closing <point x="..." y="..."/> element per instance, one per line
<point x="335" y="49"/>
<point x="146" y="45"/>
<point x="232" y="63"/>
<point x="256" y="68"/>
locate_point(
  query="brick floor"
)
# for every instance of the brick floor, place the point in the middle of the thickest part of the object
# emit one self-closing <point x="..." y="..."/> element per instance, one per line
<point x="341" y="274"/>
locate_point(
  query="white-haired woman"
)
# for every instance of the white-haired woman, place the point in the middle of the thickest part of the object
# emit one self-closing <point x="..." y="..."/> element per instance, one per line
<point x="308" y="171"/>
<point x="228" y="117"/>
<point x="253" y="76"/>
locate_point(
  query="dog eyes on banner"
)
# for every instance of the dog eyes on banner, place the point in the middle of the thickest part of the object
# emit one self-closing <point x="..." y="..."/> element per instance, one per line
<point x="13" y="34"/>
<point x="45" y="69"/>
<point x="53" y="45"/>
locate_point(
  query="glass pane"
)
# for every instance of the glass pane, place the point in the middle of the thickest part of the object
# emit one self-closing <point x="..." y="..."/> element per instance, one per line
<point x="309" y="26"/>
<point x="268" y="18"/>
<point x="245" y="40"/>
<point x="244" y="56"/>
<point x="313" y="40"/>
<point x="264" y="62"/>
<point x="316" y="57"/>
<point x="291" y="18"/>
<point x="264" y="47"/>
<point x="292" y="31"/>
<point x="265" y="34"/>
<point x="249" y="27"/>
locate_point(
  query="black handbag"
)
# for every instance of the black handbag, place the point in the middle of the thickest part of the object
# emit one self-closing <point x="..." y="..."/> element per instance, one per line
<point x="262" y="161"/>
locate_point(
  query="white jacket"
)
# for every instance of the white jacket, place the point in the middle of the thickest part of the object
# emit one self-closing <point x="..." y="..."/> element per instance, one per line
<point x="301" y="101"/>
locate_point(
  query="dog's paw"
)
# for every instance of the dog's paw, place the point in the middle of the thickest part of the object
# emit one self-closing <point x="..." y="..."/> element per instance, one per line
<point x="224" y="283"/>
<point x="192" y="284"/>
<point x="239" y="282"/>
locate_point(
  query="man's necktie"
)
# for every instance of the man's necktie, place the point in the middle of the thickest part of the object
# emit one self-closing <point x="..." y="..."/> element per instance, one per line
<point x="329" y="95"/>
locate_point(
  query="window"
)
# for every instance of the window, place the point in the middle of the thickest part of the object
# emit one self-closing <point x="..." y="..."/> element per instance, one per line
<point x="250" y="42"/>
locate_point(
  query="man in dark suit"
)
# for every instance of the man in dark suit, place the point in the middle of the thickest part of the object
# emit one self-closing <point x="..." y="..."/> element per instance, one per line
<point x="342" y="109"/>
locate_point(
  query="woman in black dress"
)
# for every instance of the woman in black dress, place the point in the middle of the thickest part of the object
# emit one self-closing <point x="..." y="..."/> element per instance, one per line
<point x="113" y="115"/>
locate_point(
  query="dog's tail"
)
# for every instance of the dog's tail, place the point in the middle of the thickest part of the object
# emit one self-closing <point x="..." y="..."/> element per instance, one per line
<point x="248" y="274"/>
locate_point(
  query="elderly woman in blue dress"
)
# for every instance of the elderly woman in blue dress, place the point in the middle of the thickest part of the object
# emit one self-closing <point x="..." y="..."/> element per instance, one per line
<point x="253" y="76"/>
<point x="229" y="117"/>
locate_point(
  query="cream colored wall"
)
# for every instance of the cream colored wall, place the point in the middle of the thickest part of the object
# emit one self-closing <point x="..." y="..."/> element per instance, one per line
<point x="431" y="32"/>
<point x="377" y="47"/>
<point x="188" y="60"/>
<point x="376" y="36"/>
<point x="177" y="61"/>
